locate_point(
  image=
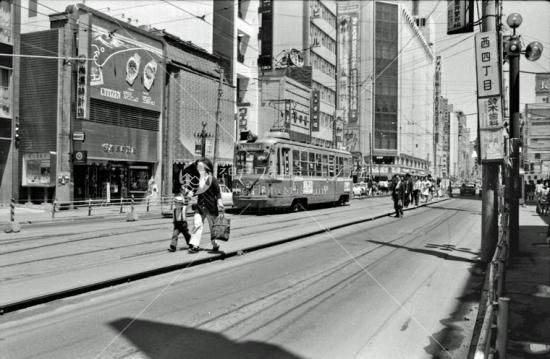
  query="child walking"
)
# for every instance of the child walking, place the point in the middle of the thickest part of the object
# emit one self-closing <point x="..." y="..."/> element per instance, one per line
<point x="180" y="222"/>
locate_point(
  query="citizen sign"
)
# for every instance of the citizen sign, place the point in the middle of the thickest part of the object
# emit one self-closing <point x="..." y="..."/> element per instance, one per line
<point x="110" y="93"/>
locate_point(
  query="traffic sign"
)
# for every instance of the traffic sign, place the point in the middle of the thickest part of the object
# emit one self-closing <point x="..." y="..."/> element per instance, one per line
<point x="79" y="136"/>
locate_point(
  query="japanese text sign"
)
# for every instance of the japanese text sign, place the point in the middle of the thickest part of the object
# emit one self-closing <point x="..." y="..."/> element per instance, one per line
<point x="487" y="64"/>
<point x="490" y="112"/>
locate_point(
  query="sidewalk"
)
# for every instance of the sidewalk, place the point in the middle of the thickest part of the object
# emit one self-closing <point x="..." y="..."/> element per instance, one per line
<point x="527" y="284"/>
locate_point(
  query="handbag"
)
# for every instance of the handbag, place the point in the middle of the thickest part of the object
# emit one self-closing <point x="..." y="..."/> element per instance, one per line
<point x="221" y="228"/>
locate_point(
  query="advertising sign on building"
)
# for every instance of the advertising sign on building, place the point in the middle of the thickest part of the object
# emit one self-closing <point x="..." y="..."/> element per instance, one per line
<point x="265" y="60"/>
<point x="460" y="16"/>
<point x="487" y="64"/>
<point x="125" y="70"/>
<point x="243" y="118"/>
<point x="82" y="67"/>
<point x="315" y="110"/>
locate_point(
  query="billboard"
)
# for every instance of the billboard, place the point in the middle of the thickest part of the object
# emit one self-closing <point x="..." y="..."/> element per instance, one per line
<point x="460" y="16"/>
<point x="487" y="64"/>
<point x="125" y="70"/>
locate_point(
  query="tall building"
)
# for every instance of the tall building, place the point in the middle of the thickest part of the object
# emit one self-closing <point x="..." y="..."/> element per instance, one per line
<point x="10" y="21"/>
<point x="390" y="76"/>
<point x="235" y="41"/>
<point x="302" y="34"/>
<point x="536" y="132"/>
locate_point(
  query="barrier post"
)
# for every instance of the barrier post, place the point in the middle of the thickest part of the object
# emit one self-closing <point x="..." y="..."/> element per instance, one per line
<point x="502" y="326"/>
<point x="121" y="211"/>
<point x="14" y="226"/>
<point x="132" y="215"/>
<point x="89" y="207"/>
<point x="148" y="199"/>
<point x="53" y="208"/>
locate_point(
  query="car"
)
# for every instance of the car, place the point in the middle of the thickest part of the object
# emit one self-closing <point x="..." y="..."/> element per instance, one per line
<point x="357" y="190"/>
<point x="227" y="195"/>
<point x="468" y="189"/>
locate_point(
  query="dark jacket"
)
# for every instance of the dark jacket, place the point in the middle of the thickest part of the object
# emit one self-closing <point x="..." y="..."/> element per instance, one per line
<point x="207" y="202"/>
<point x="398" y="191"/>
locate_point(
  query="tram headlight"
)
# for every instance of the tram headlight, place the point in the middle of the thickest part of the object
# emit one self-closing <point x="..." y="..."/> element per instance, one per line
<point x="263" y="190"/>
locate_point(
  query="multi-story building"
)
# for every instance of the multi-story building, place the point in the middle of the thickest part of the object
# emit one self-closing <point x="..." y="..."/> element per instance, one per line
<point x="235" y="41"/>
<point x="113" y="106"/>
<point x="392" y="84"/>
<point x="9" y="100"/>
<point x="443" y="137"/>
<point x="303" y="33"/>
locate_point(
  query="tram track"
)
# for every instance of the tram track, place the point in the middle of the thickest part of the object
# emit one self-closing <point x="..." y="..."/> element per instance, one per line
<point x="125" y="231"/>
<point x="194" y="261"/>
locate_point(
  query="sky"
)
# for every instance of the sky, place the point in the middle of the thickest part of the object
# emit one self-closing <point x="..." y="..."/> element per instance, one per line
<point x="457" y="51"/>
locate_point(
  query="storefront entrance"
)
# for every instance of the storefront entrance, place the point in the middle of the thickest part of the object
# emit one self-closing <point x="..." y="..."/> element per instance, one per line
<point x="111" y="180"/>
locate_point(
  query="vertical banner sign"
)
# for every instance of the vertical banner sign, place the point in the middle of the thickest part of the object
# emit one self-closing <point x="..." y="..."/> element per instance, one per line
<point x="315" y="110"/>
<point x="487" y="64"/>
<point x="243" y="118"/>
<point x="354" y="76"/>
<point x="265" y="60"/>
<point x="460" y="16"/>
<point x="491" y="134"/>
<point x="82" y="67"/>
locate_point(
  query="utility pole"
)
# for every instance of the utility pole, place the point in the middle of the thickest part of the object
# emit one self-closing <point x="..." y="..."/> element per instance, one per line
<point x="217" y="130"/>
<point x="489" y="171"/>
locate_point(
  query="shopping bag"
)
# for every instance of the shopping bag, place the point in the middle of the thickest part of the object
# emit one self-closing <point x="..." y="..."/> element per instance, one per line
<point x="221" y="228"/>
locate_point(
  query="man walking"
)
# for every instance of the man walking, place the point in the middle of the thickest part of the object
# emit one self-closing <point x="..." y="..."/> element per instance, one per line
<point x="398" y="194"/>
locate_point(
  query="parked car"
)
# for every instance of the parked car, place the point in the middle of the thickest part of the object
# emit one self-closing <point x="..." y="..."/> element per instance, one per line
<point x="227" y="196"/>
<point x="468" y="189"/>
<point x="357" y="190"/>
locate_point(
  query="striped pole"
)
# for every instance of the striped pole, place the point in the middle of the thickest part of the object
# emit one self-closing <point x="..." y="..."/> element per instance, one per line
<point x="121" y="205"/>
<point x="14" y="226"/>
<point x="53" y="208"/>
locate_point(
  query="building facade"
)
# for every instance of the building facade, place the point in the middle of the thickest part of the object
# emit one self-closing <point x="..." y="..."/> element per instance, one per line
<point x="10" y="21"/>
<point x="103" y="137"/>
<point x="303" y="34"/>
<point x="393" y="131"/>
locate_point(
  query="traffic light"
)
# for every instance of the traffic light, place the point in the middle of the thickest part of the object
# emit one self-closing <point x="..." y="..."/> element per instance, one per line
<point x="16" y="134"/>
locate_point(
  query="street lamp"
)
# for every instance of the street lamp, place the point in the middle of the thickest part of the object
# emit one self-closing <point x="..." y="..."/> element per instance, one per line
<point x="202" y="136"/>
<point x="532" y="53"/>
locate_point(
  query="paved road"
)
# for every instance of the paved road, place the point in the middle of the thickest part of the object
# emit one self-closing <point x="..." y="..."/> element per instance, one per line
<point x="390" y="288"/>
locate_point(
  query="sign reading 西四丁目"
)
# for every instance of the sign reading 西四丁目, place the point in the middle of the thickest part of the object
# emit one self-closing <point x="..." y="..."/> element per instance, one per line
<point x="487" y="64"/>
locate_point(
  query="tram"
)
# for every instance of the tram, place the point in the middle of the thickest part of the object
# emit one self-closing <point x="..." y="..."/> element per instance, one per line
<point x="275" y="172"/>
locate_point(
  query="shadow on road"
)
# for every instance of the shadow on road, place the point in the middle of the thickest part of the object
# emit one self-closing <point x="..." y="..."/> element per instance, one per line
<point x="167" y="341"/>
<point x="436" y="253"/>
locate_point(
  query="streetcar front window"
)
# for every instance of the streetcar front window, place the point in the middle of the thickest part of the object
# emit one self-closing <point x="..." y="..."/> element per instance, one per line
<point x="252" y="162"/>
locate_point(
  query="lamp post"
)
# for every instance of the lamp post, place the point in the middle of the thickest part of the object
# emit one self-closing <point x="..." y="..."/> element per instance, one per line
<point x="532" y="52"/>
<point x="203" y="135"/>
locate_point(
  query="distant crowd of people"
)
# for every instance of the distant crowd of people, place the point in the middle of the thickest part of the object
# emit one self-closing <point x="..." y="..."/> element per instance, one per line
<point x="412" y="190"/>
<point x="540" y="193"/>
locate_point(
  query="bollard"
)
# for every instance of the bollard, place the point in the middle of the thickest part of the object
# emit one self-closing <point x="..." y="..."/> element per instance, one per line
<point x="502" y="326"/>
<point x="148" y="199"/>
<point x="53" y="208"/>
<point x="121" y="211"/>
<point x="132" y="215"/>
<point x="89" y="207"/>
<point x="14" y="226"/>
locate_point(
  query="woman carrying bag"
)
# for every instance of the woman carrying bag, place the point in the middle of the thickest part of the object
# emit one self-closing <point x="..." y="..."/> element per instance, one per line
<point x="209" y="205"/>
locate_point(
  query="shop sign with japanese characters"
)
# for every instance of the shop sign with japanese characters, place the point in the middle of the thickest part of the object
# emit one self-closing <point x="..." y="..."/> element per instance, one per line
<point x="487" y="64"/>
<point x="490" y="112"/>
